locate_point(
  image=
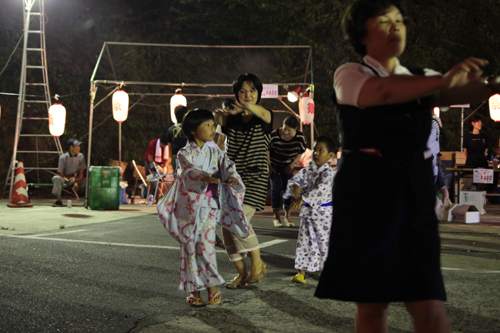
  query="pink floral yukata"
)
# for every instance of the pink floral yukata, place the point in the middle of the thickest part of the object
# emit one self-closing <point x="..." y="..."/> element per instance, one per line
<point x="190" y="209"/>
<point x="316" y="215"/>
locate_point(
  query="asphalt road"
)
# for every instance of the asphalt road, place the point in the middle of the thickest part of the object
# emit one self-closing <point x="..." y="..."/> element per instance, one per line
<point x="122" y="276"/>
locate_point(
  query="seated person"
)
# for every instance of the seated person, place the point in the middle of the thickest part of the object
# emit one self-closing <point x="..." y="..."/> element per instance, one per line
<point x="69" y="171"/>
<point x="156" y="155"/>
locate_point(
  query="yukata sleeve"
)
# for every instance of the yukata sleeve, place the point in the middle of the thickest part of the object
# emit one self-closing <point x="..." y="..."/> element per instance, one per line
<point x="300" y="179"/>
<point x="228" y="170"/>
<point x="189" y="174"/>
<point x="321" y="192"/>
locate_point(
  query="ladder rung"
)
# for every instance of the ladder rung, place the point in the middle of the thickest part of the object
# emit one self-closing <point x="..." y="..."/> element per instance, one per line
<point x="37" y="152"/>
<point x="33" y="101"/>
<point x="36" y="84"/>
<point x="45" y="135"/>
<point x="35" y="118"/>
<point x="41" y="67"/>
<point x="35" y="13"/>
<point x="34" y="49"/>
<point x="34" y="31"/>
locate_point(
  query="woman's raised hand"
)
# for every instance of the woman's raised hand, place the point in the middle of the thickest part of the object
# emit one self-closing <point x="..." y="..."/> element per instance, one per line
<point x="464" y="72"/>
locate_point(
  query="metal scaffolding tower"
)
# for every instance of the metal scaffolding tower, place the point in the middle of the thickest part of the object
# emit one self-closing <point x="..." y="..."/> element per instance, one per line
<point x="34" y="100"/>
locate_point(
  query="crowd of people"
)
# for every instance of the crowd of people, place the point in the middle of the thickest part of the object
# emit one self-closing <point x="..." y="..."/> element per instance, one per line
<point x="388" y="251"/>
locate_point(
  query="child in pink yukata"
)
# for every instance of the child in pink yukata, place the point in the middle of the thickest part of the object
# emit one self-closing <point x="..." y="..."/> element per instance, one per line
<point x="207" y="190"/>
<point x="311" y="188"/>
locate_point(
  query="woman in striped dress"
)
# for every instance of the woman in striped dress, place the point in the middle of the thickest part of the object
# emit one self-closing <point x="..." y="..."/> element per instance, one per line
<point x="247" y="126"/>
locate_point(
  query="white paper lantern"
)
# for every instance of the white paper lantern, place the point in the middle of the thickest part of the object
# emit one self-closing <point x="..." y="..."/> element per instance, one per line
<point x="437" y="111"/>
<point x="175" y="101"/>
<point x="120" y="106"/>
<point x="306" y="110"/>
<point x="495" y="107"/>
<point x="57" y="119"/>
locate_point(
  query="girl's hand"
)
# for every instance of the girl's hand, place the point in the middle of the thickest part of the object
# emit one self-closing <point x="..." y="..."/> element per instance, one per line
<point x="297" y="203"/>
<point x="296" y="192"/>
<point x="209" y="180"/>
<point x="232" y="181"/>
<point x="464" y="72"/>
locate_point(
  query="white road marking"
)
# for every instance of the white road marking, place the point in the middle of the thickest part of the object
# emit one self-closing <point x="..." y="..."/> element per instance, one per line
<point x="262" y="245"/>
<point x="30" y="210"/>
<point x="95" y="242"/>
<point x="273" y="242"/>
<point x="469" y="270"/>
<point x="59" y="233"/>
<point x="38" y="237"/>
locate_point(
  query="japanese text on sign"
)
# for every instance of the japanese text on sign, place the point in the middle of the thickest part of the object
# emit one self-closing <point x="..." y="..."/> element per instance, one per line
<point x="269" y="91"/>
<point x="483" y="176"/>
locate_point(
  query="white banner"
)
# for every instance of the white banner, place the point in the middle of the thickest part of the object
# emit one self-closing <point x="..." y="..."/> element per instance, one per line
<point x="269" y="91"/>
<point x="483" y="176"/>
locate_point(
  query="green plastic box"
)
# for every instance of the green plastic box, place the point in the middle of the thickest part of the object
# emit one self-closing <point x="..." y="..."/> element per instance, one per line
<point x="104" y="188"/>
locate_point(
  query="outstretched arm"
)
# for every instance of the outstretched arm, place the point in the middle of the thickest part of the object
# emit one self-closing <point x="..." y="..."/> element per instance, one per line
<point x="257" y="110"/>
<point x="396" y="89"/>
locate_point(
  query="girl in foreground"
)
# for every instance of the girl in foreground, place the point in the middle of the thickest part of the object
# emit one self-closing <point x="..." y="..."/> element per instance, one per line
<point x="207" y="190"/>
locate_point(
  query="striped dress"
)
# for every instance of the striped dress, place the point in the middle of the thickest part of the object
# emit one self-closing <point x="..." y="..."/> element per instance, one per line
<point x="248" y="144"/>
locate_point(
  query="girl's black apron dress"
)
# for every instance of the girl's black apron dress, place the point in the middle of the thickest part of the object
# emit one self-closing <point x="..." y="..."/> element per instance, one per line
<point x="384" y="243"/>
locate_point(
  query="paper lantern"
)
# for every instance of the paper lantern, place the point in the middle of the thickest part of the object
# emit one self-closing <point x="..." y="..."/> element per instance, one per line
<point x="436" y="111"/>
<point x="120" y="106"/>
<point x="306" y="109"/>
<point x="175" y="101"/>
<point x="57" y="119"/>
<point x="495" y="107"/>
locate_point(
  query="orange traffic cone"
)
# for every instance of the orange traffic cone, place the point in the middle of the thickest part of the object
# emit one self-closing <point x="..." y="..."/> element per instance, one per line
<point x="20" y="194"/>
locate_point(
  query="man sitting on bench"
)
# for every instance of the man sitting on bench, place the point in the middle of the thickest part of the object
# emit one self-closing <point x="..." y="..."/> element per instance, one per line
<point x="70" y="171"/>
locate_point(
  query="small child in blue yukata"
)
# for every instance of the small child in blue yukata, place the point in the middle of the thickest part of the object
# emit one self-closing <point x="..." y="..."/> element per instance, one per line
<point x="311" y="188"/>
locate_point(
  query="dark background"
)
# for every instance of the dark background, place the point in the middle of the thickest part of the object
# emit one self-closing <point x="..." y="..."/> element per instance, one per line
<point x="440" y="34"/>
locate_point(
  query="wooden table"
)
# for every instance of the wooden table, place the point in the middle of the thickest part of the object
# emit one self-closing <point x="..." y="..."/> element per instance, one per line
<point x="458" y="173"/>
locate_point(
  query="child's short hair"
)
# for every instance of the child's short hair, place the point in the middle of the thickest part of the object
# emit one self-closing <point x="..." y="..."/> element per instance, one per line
<point x="193" y="119"/>
<point x="291" y="121"/>
<point x="330" y="144"/>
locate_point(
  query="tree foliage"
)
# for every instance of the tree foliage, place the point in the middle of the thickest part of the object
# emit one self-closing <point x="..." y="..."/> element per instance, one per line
<point x="441" y="33"/>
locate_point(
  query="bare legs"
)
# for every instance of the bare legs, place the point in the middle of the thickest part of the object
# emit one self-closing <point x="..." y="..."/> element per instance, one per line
<point x="371" y="317"/>
<point x="241" y="265"/>
<point x="428" y="317"/>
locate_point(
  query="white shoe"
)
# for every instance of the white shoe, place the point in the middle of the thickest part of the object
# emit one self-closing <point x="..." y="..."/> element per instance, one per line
<point x="277" y="223"/>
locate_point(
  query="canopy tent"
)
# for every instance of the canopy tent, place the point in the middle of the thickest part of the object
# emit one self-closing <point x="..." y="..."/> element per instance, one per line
<point x="211" y="94"/>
